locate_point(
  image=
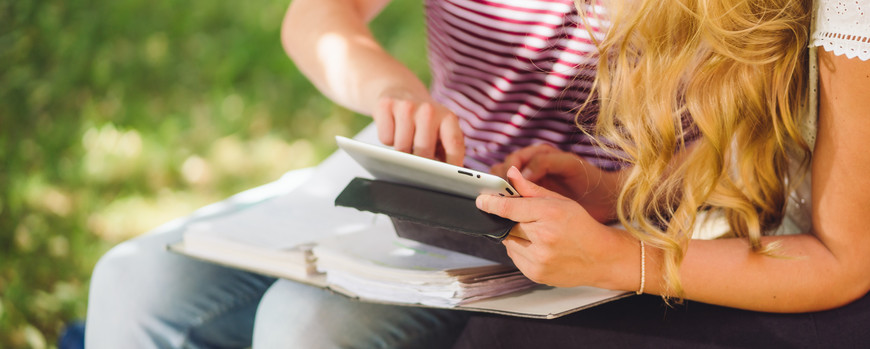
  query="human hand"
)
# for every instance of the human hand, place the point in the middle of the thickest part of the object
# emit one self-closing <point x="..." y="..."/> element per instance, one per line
<point x="567" y="174"/>
<point x="556" y="242"/>
<point x="421" y="127"/>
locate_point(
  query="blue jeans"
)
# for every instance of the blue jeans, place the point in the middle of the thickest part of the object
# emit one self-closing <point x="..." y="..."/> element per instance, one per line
<point x="142" y="296"/>
<point x="293" y="315"/>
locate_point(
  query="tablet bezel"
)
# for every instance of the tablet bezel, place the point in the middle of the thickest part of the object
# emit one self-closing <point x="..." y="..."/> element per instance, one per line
<point x="392" y="165"/>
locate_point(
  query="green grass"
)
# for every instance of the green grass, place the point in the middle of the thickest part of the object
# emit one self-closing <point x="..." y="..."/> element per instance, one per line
<point x="116" y="116"/>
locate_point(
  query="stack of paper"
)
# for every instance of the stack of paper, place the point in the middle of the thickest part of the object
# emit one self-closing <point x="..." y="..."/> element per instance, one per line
<point x="275" y="236"/>
<point x="377" y="265"/>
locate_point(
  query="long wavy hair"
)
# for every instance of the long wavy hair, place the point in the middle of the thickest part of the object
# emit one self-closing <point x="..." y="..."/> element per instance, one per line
<point x="720" y="83"/>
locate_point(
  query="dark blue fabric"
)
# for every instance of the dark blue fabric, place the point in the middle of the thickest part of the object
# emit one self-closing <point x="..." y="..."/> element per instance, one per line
<point x="645" y="321"/>
<point x="73" y="336"/>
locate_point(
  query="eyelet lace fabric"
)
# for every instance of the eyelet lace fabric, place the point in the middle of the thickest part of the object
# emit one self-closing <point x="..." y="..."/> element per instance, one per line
<point x="843" y="27"/>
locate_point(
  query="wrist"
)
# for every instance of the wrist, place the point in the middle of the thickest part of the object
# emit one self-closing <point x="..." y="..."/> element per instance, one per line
<point x="401" y="89"/>
<point x="630" y="266"/>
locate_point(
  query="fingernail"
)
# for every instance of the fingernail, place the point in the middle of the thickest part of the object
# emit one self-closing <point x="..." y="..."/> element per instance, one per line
<point x="479" y="202"/>
<point x="526" y="173"/>
<point x="515" y="171"/>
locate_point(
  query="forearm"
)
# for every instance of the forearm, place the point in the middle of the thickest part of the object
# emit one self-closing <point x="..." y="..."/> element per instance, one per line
<point x="557" y="242"/>
<point x="331" y="44"/>
<point x="809" y="276"/>
<point x="829" y="267"/>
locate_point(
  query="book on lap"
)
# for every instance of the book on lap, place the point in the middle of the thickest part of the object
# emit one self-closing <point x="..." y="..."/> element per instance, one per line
<point x="301" y="235"/>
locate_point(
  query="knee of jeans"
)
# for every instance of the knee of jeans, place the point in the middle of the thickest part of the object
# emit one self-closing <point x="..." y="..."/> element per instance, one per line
<point x="107" y="271"/>
<point x="289" y="316"/>
<point x="287" y="298"/>
<point x="113" y="268"/>
<point x="110" y="274"/>
<point x="124" y="273"/>
<point x="114" y="308"/>
<point x="292" y="315"/>
<point x="121" y="305"/>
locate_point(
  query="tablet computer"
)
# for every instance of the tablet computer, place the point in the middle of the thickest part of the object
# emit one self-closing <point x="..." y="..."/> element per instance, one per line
<point x="395" y="166"/>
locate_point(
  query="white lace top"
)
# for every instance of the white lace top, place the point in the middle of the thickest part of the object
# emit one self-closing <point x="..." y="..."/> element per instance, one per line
<point x="841" y="27"/>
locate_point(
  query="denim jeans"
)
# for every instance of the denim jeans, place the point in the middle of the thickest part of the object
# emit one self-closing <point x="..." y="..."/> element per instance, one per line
<point x="293" y="315"/>
<point x="143" y="296"/>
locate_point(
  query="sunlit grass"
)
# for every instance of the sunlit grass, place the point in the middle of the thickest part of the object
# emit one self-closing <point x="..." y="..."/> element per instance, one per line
<point x="117" y="116"/>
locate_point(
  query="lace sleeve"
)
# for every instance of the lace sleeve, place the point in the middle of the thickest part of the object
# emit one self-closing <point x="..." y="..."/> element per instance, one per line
<point x="843" y="27"/>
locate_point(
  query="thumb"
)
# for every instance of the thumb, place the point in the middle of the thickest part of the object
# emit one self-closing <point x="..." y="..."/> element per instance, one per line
<point x="527" y="188"/>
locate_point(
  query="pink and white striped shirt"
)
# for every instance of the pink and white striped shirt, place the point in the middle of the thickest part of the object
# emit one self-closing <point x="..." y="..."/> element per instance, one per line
<point x="514" y="72"/>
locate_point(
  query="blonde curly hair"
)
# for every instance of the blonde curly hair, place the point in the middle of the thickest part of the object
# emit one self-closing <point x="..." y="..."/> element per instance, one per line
<point x="735" y="70"/>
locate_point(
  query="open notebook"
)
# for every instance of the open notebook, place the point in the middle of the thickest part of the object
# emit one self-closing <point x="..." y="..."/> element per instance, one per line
<point x="301" y="235"/>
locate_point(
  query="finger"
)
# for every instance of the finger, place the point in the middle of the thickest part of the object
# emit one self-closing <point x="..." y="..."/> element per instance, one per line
<point x="518" y="250"/>
<point x="425" y="131"/>
<point x="516" y="159"/>
<point x="526" y="208"/>
<point x="404" y="132"/>
<point x="516" y="243"/>
<point x="527" y="188"/>
<point x="512" y="160"/>
<point x="517" y="209"/>
<point x="383" y="117"/>
<point x="555" y="164"/>
<point x="518" y="232"/>
<point x="499" y="169"/>
<point x="452" y="140"/>
<point x="520" y="157"/>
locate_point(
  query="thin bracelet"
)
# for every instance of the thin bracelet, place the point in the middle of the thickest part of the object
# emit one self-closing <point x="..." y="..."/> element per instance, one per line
<point x="642" y="269"/>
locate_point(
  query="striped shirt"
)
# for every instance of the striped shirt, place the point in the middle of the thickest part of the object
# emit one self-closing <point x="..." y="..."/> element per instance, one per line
<point x="514" y="72"/>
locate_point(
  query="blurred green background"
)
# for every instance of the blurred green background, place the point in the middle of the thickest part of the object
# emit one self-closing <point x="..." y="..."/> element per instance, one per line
<point x="117" y="116"/>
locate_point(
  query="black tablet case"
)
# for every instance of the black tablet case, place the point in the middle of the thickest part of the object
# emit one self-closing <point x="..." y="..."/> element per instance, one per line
<point x="432" y="217"/>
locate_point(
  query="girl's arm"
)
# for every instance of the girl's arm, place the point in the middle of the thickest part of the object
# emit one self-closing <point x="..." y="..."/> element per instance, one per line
<point x="832" y="265"/>
<point x="330" y="42"/>
<point x="558" y="243"/>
